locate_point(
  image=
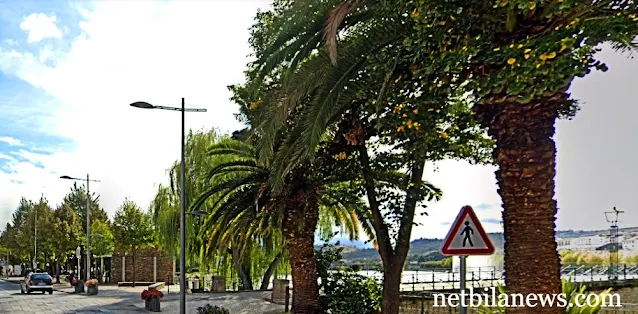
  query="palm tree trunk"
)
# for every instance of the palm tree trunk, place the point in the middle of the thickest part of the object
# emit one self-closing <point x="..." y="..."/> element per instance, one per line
<point x="300" y="222"/>
<point x="526" y="156"/>
<point x="265" y="281"/>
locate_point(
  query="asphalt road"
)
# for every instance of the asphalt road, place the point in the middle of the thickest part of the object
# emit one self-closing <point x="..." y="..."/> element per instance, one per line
<point x="12" y="301"/>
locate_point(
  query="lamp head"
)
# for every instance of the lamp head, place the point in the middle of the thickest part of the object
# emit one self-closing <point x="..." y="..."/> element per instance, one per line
<point x="65" y="177"/>
<point x="142" y="104"/>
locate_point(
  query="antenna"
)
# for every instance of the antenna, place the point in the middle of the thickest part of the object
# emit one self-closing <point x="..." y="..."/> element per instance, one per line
<point x="612" y="219"/>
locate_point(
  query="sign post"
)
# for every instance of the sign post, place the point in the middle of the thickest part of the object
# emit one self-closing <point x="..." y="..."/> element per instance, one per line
<point x="78" y="254"/>
<point x="466" y="237"/>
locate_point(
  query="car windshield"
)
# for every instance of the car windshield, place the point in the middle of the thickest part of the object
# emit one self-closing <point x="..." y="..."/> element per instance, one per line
<point x="40" y="276"/>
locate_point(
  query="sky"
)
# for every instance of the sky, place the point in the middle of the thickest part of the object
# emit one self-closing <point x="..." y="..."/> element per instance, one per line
<point x="69" y="70"/>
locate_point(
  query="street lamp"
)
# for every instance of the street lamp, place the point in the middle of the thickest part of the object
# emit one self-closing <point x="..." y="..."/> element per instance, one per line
<point x="182" y="215"/>
<point x="88" y="224"/>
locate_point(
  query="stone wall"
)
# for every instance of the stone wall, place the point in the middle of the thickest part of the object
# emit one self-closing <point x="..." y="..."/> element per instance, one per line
<point x="424" y="304"/>
<point x="143" y="266"/>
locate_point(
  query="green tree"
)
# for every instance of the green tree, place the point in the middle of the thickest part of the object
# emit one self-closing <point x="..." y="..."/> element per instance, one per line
<point x="105" y="243"/>
<point x="360" y="110"/>
<point x="244" y="209"/>
<point x="76" y="198"/>
<point x="67" y="233"/>
<point x="132" y="229"/>
<point x="520" y="67"/>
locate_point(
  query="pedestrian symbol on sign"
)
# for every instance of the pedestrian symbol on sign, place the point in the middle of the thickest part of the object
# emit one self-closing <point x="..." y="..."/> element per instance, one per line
<point x="468" y="231"/>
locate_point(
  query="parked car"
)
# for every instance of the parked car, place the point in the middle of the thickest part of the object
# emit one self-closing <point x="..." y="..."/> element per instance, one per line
<point x="37" y="282"/>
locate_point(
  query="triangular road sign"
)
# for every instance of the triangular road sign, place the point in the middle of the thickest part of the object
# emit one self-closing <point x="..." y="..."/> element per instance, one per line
<point x="467" y="237"/>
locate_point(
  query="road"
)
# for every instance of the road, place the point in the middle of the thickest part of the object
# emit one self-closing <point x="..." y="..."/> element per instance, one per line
<point x="12" y="301"/>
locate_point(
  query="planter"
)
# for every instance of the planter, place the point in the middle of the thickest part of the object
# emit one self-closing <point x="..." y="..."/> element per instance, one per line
<point x="79" y="287"/>
<point x="92" y="290"/>
<point x="152" y="304"/>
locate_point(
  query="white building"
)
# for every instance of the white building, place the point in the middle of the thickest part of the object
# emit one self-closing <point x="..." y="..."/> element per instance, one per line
<point x="586" y="243"/>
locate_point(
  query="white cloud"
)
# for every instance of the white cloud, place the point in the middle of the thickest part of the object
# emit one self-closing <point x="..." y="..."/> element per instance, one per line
<point x="129" y="51"/>
<point x="10" y="140"/>
<point x="40" y="26"/>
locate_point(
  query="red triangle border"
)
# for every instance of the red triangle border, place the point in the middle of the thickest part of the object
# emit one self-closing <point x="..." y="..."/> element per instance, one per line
<point x="465" y="211"/>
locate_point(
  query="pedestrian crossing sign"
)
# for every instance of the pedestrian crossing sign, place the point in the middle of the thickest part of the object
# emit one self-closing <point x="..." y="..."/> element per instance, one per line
<point x="467" y="237"/>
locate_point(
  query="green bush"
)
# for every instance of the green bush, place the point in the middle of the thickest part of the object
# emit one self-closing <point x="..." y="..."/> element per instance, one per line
<point x="210" y="309"/>
<point x="344" y="291"/>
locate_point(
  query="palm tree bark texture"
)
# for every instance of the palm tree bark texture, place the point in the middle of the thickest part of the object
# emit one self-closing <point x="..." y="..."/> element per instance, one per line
<point x="526" y="155"/>
<point x="300" y="222"/>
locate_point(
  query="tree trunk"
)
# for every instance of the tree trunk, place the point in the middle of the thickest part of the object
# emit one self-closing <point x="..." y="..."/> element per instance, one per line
<point x="526" y="156"/>
<point x="134" y="278"/>
<point x="265" y="281"/>
<point x="242" y="267"/>
<point x="391" y="289"/>
<point x="299" y="226"/>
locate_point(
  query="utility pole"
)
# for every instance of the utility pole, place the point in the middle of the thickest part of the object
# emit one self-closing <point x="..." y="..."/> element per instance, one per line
<point x="612" y="219"/>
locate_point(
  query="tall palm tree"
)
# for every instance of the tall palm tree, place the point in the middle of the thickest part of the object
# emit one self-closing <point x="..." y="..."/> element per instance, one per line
<point x="517" y="72"/>
<point x="244" y="211"/>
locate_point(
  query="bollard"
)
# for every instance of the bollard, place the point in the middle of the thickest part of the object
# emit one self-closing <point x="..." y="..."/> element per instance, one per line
<point x="287" y="302"/>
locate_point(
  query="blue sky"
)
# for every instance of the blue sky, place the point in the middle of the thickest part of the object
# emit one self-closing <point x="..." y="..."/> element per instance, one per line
<point x="68" y="71"/>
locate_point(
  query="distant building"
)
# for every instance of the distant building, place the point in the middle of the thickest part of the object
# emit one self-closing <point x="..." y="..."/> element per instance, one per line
<point x="627" y="242"/>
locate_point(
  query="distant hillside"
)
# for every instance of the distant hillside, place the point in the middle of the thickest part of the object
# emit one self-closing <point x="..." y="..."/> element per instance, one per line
<point x="419" y="247"/>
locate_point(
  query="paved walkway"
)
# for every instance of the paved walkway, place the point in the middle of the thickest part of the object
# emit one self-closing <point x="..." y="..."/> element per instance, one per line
<point x="113" y="299"/>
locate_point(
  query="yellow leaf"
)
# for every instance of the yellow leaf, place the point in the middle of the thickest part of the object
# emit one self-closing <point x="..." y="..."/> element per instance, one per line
<point x="563" y="47"/>
<point x="430" y="109"/>
<point x="438" y="110"/>
<point x="497" y="49"/>
<point x="543" y="57"/>
<point x="400" y="129"/>
<point x="414" y="14"/>
<point x="527" y="50"/>
<point x="409" y="123"/>
<point x="396" y="109"/>
<point x="512" y="46"/>
<point x="397" y="80"/>
<point x="526" y="56"/>
<point x="444" y="135"/>
<point x="417" y="125"/>
<point x="415" y="111"/>
<point x="511" y="61"/>
<point x="551" y="55"/>
<point x="404" y="115"/>
<point x="538" y="65"/>
<point x="520" y="46"/>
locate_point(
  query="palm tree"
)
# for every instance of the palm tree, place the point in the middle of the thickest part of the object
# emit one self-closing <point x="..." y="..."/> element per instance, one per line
<point x="244" y="211"/>
<point x="517" y="72"/>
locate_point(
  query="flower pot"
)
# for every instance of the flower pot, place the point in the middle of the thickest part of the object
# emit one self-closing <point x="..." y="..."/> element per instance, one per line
<point x="79" y="287"/>
<point x="92" y="290"/>
<point x="152" y="304"/>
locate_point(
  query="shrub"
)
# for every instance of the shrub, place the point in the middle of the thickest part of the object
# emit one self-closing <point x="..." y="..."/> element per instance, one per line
<point x="147" y="294"/>
<point x="344" y="291"/>
<point x="210" y="309"/>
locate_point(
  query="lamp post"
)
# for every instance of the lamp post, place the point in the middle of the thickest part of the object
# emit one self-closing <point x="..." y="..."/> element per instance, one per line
<point x="182" y="214"/>
<point x="88" y="223"/>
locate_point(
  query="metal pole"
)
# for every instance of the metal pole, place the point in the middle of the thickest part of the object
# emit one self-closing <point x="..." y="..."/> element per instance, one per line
<point x="35" y="239"/>
<point x="462" y="268"/>
<point x="182" y="222"/>
<point x="88" y="230"/>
